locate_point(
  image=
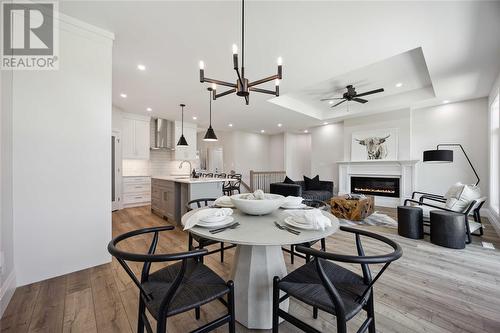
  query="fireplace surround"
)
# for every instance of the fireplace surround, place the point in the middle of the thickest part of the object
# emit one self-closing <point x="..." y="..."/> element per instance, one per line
<point x="403" y="170"/>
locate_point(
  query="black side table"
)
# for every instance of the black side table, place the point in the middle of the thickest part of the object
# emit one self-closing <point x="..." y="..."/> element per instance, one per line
<point x="448" y="229"/>
<point x="410" y="222"/>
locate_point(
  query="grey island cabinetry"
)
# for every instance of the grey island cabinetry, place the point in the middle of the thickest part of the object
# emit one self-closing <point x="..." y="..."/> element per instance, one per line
<point x="170" y="194"/>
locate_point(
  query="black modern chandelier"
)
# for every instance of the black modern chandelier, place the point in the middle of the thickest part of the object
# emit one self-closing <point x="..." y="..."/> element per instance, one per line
<point x="210" y="135"/>
<point x="242" y="87"/>
<point x="182" y="140"/>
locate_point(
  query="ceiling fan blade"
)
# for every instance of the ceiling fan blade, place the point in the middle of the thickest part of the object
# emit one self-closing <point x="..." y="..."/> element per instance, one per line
<point x="330" y="99"/>
<point x="360" y="100"/>
<point x="370" y="92"/>
<point x="338" y="103"/>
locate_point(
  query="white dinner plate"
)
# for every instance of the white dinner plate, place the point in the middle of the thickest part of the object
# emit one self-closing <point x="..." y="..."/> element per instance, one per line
<point x="292" y="223"/>
<point x="288" y="206"/>
<point x="226" y="221"/>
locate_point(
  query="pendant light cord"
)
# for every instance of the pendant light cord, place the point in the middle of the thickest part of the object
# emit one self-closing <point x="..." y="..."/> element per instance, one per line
<point x="243" y="38"/>
<point x="182" y="121"/>
<point x="210" y="99"/>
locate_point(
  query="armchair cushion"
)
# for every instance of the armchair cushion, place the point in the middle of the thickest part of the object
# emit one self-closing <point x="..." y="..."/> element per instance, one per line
<point x="312" y="184"/>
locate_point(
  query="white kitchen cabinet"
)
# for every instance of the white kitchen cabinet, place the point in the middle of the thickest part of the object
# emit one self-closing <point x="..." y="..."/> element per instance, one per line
<point x="135" y="137"/>
<point x="136" y="191"/>
<point x="189" y="152"/>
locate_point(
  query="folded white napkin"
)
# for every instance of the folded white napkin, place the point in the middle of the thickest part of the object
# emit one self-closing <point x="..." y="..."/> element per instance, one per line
<point x="205" y="214"/>
<point x="312" y="217"/>
<point x="293" y="201"/>
<point x="257" y="195"/>
<point x="224" y="201"/>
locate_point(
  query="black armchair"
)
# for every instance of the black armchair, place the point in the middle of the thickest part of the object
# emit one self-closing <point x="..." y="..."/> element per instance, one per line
<point x="332" y="288"/>
<point x="176" y="288"/>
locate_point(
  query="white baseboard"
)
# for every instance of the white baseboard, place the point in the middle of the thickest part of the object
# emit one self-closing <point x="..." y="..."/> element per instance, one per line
<point x="7" y="291"/>
<point x="493" y="218"/>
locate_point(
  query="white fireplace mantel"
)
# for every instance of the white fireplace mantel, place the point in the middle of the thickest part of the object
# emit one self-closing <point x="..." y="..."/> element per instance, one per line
<point x="402" y="169"/>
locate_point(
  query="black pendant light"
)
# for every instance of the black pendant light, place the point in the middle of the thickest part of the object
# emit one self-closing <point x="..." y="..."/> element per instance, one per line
<point x="242" y="87"/>
<point x="182" y="140"/>
<point x="210" y="135"/>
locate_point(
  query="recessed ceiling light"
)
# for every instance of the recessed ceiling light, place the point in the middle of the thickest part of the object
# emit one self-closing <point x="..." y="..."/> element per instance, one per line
<point x="280" y="124"/>
<point x="141" y="67"/>
<point x="306" y="131"/>
<point x="325" y="123"/>
<point x="330" y="102"/>
<point x="194" y="117"/>
<point x="230" y="125"/>
<point x="262" y="131"/>
<point x="399" y="85"/>
<point x="122" y="95"/>
<point x="446" y="101"/>
<point x="149" y="109"/>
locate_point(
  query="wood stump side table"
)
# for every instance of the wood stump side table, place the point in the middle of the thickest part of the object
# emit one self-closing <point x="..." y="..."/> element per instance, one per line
<point x="354" y="210"/>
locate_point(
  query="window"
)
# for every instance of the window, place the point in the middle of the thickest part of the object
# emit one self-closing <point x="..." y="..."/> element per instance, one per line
<point x="495" y="155"/>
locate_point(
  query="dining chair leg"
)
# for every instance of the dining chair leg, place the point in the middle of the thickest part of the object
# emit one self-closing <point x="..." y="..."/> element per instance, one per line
<point x="315" y="312"/>
<point x="276" y="304"/>
<point x="371" y="313"/>
<point x="292" y="254"/>
<point x="221" y="251"/>
<point x="140" y="318"/>
<point x="323" y="244"/>
<point x="230" y="307"/>
<point x="161" y="325"/>
<point x="197" y="313"/>
<point x="190" y="242"/>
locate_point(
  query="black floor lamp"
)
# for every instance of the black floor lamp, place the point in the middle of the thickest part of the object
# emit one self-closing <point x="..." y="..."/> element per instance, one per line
<point x="446" y="156"/>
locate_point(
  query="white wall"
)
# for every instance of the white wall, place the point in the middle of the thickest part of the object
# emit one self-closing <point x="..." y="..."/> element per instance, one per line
<point x="277" y="152"/>
<point x="62" y="158"/>
<point x="298" y="155"/>
<point x="465" y="123"/>
<point x="399" y="119"/>
<point x="327" y="144"/>
<point x="7" y="273"/>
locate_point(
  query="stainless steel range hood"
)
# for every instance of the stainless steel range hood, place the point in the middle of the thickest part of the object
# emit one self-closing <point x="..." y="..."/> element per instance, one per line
<point x="164" y="134"/>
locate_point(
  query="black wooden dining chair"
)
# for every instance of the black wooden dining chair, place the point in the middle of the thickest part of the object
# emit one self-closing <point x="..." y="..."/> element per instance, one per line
<point x="232" y="186"/>
<point x="204" y="242"/>
<point x="332" y="288"/>
<point x="316" y="204"/>
<point x="180" y="287"/>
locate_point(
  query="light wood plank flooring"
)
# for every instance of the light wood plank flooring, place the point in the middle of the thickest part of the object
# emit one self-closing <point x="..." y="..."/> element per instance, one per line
<point x="431" y="289"/>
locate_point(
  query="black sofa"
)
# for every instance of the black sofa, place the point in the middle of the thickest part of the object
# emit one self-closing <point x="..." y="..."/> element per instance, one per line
<point x="325" y="193"/>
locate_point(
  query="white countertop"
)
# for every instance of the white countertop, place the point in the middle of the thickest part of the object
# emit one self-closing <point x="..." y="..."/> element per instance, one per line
<point x="189" y="180"/>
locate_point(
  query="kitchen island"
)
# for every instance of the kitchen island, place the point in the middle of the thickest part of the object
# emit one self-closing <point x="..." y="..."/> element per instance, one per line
<point x="169" y="194"/>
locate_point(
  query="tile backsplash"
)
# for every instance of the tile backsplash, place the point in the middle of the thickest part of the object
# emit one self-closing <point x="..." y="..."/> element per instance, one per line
<point x="161" y="163"/>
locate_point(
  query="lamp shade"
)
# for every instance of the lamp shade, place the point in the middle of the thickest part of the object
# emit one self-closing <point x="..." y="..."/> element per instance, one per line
<point x="182" y="141"/>
<point x="438" y="155"/>
<point x="210" y="135"/>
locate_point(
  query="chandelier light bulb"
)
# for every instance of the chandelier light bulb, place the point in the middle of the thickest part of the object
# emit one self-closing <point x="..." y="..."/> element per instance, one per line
<point x="235" y="49"/>
<point x="280" y="61"/>
<point x="202" y="65"/>
<point x="214" y="86"/>
<point x="277" y="82"/>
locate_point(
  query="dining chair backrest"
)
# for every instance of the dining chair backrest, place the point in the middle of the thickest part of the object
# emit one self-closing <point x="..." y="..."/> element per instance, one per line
<point x="198" y="203"/>
<point x="220" y="175"/>
<point x="209" y="174"/>
<point x="361" y="258"/>
<point x="236" y="184"/>
<point x="123" y="256"/>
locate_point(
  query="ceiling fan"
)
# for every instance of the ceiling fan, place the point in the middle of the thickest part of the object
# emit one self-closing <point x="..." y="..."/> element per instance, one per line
<point x="352" y="95"/>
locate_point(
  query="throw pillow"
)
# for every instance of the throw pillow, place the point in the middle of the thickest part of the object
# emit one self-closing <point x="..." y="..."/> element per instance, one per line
<point x="312" y="184"/>
<point x="454" y="191"/>
<point x="468" y="194"/>
<point x="288" y="180"/>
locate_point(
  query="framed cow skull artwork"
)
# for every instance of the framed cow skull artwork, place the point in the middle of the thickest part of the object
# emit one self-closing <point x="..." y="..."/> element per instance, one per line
<point x="375" y="145"/>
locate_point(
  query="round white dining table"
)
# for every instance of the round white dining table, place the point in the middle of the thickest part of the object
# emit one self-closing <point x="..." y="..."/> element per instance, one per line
<point x="258" y="259"/>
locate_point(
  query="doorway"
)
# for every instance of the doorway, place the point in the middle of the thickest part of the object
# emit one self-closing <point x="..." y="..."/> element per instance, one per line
<point x="116" y="176"/>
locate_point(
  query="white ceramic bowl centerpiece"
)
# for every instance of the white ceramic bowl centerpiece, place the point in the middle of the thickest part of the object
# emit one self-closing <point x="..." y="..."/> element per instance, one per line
<point x="248" y="204"/>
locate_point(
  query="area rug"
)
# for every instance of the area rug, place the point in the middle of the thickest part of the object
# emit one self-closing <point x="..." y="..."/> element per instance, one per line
<point x="376" y="218"/>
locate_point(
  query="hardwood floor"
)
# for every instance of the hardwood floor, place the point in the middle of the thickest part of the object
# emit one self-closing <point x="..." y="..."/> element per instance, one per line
<point x="431" y="289"/>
